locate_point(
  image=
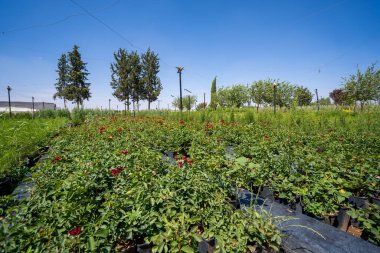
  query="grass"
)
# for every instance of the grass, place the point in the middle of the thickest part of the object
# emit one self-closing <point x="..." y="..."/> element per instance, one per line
<point x="20" y="137"/>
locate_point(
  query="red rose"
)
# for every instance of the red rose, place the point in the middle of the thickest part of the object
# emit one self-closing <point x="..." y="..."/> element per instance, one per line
<point x="180" y="164"/>
<point x="125" y="152"/>
<point x="75" y="231"/>
<point x="57" y="158"/>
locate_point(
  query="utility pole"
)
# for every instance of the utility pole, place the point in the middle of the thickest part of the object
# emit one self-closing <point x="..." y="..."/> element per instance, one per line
<point x="125" y="108"/>
<point x="9" y="100"/>
<point x="316" y="92"/>
<point x="179" y="71"/>
<point x="109" y="104"/>
<point x="204" y="100"/>
<point x="33" y="107"/>
<point x="274" y="96"/>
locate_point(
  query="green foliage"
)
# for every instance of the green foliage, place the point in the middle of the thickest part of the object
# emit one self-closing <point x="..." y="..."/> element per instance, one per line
<point x="78" y="116"/>
<point x="201" y="106"/>
<point x="22" y="137"/>
<point x="77" y="89"/>
<point x="303" y="96"/>
<point x="62" y="80"/>
<point x="188" y="102"/>
<point x="363" y="87"/>
<point x="84" y="201"/>
<point x="120" y="81"/>
<point x="213" y="102"/>
<point x="134" y="77"/>
<point x="234" y="96"/>
<point x="150" y="68"/>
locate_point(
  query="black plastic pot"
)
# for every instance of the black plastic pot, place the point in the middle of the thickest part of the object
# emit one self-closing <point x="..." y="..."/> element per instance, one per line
<point x="297" y="205"/>
<point x="320" y="218"/>
<point x="331" y="219"/>
<point x="342" y="219"/>
<point x="207" y="246"/>
<point x="5" y="186"/>
<point x="266" y="193"/>
<point x="144" y="248"/>
<point x="359" y="202"/>
<point x="235" y="204"/>
<point x="375" y="200"/>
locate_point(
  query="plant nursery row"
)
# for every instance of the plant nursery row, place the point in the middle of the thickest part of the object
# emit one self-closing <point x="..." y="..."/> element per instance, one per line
<point x="129" y="184"/>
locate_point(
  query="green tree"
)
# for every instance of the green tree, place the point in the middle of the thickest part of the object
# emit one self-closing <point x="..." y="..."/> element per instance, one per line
<point x="134" y="78"/>
<point x="213" y="102"/>
<point x="120" y="71"/>
<point x="234" y="96"/>
<point x="62" y="80"/>
<point x="151" y="82"/>
<point x="303" y="95"/>
<point x="363" y="87"/>
<point x="325" y="101"/>
<point x="238" y="96"/>
<point x="188" y="102"/>
<point x="201" y="106"/>
<point x="259" y="92"/>
<point x="77" y="89"/>
<point x="285" y="94"/>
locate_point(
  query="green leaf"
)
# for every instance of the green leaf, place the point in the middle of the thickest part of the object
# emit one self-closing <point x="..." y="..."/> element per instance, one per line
<point x="187" y="249"/>
<point x="102" y="233"/>
<point x="197" y="237"/>
<point x="91" y="243"/>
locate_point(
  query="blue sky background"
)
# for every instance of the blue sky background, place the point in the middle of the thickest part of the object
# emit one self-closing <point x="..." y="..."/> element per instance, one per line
<point x="309" y="43"/>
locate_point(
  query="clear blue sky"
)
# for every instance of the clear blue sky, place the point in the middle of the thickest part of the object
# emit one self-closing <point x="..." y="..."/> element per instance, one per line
<point x="309" y="43"/>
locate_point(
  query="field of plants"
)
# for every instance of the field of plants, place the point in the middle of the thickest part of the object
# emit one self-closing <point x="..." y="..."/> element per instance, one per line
<point x="20" y="137"/>
<point x="169" y="181"/>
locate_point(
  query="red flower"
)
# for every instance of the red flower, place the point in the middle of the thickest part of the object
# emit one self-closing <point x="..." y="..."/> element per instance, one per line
<point x="115" y="171"/>
<point x="125" y="152"/>
<point x="181" y="122"/>
<point x="189" y="162"/>
<point x="184" y="158"/>
<point x="180" y="164"/>
<point x="75" y="231"/>
<point x="102" y="129"/>
<point x="57" y="158"/>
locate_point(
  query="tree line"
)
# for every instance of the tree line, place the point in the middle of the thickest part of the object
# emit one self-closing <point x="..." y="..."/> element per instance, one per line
<point x="133" y="77"/>
<point x="260" y="93"/>
<point x="359" y="88"/>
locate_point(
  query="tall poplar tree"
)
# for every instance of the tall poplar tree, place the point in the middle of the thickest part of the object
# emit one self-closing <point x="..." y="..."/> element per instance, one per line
<point x="213" y="102"/>
<point x="77" y="89"/>
<point x="120" y="71"/>
<point x="62" y="80"/>
<point x="150" y="67"/>
<point x="134" y="78"/>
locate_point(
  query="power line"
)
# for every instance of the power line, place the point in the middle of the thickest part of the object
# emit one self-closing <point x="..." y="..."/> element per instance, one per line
<point x="104" y="24"/>
<point x="57" y="21"/>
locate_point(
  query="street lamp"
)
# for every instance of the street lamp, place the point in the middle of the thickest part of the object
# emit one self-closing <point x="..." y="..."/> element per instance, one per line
<point x="9" y="100"/>
<point x="179" y="71"/>
<point x="274" y="95"/>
